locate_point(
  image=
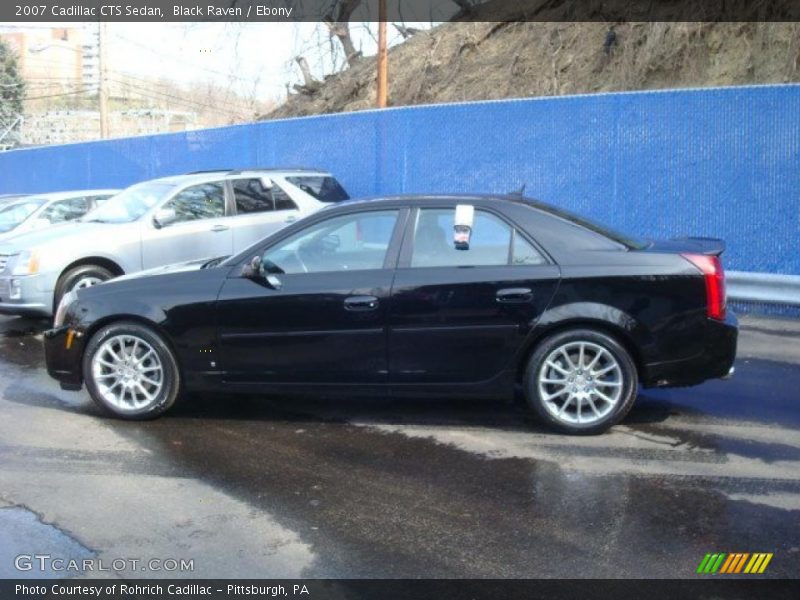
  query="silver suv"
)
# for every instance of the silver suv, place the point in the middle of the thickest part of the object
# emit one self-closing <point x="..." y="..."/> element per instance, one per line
<point x="186" y="217"/>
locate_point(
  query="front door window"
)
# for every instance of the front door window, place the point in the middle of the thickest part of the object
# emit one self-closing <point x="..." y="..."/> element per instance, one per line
<point x="349" y="243"/>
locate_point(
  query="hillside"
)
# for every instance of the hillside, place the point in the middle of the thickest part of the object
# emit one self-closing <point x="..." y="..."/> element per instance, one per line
<point x="463" y="61"/>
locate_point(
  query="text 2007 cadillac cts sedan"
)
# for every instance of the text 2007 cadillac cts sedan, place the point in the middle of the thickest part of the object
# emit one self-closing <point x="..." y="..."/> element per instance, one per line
<point x="411" y="296"/>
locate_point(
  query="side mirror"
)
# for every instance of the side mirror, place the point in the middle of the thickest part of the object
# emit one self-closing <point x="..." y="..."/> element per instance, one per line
<point x="164" y="217"/>
<point x="255" y="270"/>
<point x="462" y="227"/>
<point x="252" y="270"/>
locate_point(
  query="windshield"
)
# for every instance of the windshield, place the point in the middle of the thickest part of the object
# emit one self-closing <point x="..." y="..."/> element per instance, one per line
<point x="12" y="215"/>
<point x="620" y="238"/>
<point x="130" y="204"/>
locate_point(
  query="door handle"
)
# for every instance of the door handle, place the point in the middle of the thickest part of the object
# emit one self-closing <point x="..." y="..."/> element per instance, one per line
<point x="361" y="303"/>
<point x="514" y="295"/>
<point x="290" y="219"/>
<point x="218" y="228"/>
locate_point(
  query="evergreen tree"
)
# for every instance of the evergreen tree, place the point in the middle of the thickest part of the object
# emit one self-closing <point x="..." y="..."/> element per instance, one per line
<point x="12" y="94"/>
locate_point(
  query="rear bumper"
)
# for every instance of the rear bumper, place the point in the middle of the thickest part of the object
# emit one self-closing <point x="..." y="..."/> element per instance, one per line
<point x="63" y="352"/>
<point x="715" y="362"/>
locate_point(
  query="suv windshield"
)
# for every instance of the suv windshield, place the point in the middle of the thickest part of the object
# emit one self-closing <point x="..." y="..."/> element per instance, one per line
<point x="323" y="188"/>
<point x="11" y="215"/>
<point x="621" y="238"/>
<point x="130" y="204"/>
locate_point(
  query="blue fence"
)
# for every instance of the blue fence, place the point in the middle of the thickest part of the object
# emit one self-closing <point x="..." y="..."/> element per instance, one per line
<point x="717" y="162"/>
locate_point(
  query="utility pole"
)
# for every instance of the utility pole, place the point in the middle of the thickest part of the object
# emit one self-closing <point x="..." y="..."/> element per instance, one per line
<point x="102" y="91"/>
<point x="383" y="57"/>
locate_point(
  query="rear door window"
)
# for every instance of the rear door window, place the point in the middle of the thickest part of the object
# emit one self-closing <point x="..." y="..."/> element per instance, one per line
<point x="323" y="188"/>
<point x="493" y="242"/>
<point x="251" y="196"/>
<point x="204" y="201"/>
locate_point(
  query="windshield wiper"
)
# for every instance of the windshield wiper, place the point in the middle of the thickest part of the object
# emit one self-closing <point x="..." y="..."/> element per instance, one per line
<point x="213" y="262"/>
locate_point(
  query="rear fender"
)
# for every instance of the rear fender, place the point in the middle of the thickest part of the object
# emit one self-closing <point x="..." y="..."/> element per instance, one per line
<point x="628" y="330"/>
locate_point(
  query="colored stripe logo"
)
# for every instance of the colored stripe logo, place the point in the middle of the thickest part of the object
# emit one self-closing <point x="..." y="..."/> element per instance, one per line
<point x="736" y="562"/>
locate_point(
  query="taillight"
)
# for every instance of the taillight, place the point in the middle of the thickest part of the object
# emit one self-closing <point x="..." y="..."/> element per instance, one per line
<point x="711" y="268"/>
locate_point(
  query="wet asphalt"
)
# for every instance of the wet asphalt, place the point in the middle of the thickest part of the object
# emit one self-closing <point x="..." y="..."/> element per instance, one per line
<point x="311" y="487"/>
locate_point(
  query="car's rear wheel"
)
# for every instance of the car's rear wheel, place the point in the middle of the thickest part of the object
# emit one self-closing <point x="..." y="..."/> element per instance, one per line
<point x="130" y="371"/>
<point x="581" y="381"/>
<point x="78" y="278"/>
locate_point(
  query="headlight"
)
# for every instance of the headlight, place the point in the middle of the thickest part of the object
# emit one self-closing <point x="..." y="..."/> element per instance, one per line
<point x="27" y="263"/>
<point x="61" y="311"/>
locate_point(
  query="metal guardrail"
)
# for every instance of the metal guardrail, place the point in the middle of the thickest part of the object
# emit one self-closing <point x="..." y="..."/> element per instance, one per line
<point x="763" y="287"/>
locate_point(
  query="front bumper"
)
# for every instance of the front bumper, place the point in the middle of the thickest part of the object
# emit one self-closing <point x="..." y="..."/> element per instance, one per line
<point x="28" y="295"/>
<point x="63" y="350"/>
<point x="716" y="362"/>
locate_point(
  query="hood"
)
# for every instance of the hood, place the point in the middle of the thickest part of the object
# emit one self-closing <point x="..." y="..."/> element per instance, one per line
<point x="48" y="235"/>
<point x="60" y="234"/>
<point x="191" y="265"/>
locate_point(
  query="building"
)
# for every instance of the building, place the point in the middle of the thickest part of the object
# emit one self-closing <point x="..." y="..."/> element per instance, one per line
<point x="59" y="59"/>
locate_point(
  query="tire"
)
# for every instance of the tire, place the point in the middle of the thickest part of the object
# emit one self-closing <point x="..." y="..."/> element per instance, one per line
<point x="586" y="399"/>
<point x="80" y="277"/>
<point x="142" y="382"/>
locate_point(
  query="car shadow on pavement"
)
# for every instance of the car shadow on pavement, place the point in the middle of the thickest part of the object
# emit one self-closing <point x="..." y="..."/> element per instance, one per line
<point x="22" y="326"/>
<point x="508" y="415"/>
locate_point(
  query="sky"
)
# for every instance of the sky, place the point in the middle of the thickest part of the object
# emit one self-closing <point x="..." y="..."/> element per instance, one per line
<point x="254" y="59"/>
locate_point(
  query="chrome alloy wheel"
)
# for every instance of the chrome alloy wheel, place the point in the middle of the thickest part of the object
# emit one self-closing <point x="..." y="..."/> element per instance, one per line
<point x="86" y="282"/>
<point x="580" y="383"/>
<point x="128" y="372"/>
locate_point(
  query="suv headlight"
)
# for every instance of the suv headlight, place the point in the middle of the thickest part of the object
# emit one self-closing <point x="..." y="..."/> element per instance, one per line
<point x="61" y="312"/>
<point x="26" y="263"/>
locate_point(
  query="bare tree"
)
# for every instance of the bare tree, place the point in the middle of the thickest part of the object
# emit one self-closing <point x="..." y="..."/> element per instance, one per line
<point x="338" y="22"/>
<point x="310" y="85"/>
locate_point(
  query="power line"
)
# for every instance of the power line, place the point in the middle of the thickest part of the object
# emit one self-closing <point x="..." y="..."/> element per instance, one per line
<point x="179" y="60"/>
<point x="58" y="95"/>
<point x="187" y="103"/>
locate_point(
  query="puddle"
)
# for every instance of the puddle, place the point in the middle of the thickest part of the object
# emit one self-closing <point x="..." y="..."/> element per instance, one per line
<point x="24" y="535"/>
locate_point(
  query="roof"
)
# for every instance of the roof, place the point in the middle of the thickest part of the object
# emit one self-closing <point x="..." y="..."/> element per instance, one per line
<point x="432" y="198"/>
<point x="72" y="194"/>
<point x="211" y="175"/>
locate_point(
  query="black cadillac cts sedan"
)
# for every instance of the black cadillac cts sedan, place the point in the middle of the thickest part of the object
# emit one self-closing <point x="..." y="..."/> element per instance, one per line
<point x="411" y="296"/>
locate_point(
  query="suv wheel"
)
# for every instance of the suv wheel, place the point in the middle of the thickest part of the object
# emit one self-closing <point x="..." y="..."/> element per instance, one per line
<point x="78" y="278"/>
<point x="130" y="371"/>
<point x="581" y="381"/>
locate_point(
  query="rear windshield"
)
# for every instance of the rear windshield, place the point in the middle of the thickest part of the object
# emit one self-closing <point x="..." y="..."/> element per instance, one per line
<point x="323" y="188"/>
<point x="621" y="238"/>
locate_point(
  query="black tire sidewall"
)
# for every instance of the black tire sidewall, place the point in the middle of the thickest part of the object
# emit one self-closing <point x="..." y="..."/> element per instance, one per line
<point x="169" y="393"/>
<point x="623" y="357"/>
<point x="68" y="279"/>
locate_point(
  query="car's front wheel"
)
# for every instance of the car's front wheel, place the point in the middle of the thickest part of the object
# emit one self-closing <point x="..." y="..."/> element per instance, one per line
<point x="581" y="381"/>
<point x="130" y="371"/>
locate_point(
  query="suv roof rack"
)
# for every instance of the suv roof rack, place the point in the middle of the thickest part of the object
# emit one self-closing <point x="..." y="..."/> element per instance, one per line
<point x="277" y="169"/>
<point x="263" y="169"/>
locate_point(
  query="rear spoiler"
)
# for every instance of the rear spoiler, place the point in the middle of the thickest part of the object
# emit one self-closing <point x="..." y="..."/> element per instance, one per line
<point x="703" y="245"/>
